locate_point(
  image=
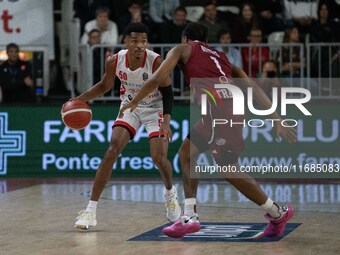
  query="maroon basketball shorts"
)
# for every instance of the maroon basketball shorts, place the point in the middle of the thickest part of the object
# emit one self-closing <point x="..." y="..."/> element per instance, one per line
<point x="225" y="141"/>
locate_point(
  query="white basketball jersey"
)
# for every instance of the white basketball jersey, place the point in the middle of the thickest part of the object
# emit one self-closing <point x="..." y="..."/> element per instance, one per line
<point x="132" y="81"/>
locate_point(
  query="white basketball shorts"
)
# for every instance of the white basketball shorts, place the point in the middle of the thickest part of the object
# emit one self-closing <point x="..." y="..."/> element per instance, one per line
<point x="150" y="117"/>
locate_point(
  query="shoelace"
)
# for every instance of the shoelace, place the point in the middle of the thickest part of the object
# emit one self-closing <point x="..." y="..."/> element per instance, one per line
<point x="170" y="202"/>
<point x="84" y="215"/>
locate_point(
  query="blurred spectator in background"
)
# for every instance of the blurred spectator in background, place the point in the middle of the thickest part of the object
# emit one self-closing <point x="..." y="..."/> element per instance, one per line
<point x="162" y="10"/>
<point x="334" y="8"/>
<point x="233" y="54"/>
<point x="324" y="29"/>
<point x="244" y="22"/>
<point x="300" y="13"/>
<point x="325" y="58"/>
<point x="267" y="11"/>
<point x="268" y="78"/>
<point x="16" y="81"/>
<point x="254" y="56"/>
<point x="136" y="14"/>
<point x="172" y="30"/>
<point x="108" y="29"/>
<point x="98" y="56"/>
<point x="85" y="10"/>
<point x="291" y="60"/>
<point x="212" y="21"/>
<point x="293" y="63"/>
<point x="94" y="39"/>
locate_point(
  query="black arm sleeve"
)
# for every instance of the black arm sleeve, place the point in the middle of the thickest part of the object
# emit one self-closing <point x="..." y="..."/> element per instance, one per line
<point x="167" y="98"/>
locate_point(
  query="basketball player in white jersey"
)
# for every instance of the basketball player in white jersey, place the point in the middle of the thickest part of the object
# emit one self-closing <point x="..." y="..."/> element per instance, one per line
<point x="133" y="67"/>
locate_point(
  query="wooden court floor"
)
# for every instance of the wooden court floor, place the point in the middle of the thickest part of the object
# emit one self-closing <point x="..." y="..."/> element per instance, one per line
<point x="37" y="217"/>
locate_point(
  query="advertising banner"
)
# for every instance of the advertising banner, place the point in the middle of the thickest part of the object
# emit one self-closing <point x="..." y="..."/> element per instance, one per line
<point x="35" y="142"/>
<point x="27" y="22"/>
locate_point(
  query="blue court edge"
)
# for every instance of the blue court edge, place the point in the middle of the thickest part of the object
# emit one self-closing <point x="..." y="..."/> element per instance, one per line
<point x="219" y="232"/>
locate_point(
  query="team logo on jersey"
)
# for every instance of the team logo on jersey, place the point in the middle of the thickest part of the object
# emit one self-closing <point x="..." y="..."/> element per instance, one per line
<point x="145" y="76"/>
<point x="212" y="93"/>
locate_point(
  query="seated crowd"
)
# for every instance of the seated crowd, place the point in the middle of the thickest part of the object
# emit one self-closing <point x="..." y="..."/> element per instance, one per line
<point x="236" y="22"/>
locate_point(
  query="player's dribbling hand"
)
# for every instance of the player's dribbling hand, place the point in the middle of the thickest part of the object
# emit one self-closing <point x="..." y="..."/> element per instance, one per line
<point x="289" y="133"/>
<point x="71" y="99"/>
<point x="166" y="131"/>
<point x="132" y="105"/>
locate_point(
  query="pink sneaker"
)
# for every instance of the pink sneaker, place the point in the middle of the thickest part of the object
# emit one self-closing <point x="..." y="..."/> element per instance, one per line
<point x="184" y="225"/>
<point x="277" y="227"/>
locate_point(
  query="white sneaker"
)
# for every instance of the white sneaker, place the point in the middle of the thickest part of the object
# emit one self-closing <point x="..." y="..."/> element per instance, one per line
<point x="85" y="220"/>
<point x="173" y="209"/>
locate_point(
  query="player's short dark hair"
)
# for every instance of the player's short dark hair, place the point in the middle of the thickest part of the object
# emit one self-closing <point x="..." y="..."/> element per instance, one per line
<point x="135" y="27"/>
<point x="196" y="31"/>
<point x="12" y="45"/>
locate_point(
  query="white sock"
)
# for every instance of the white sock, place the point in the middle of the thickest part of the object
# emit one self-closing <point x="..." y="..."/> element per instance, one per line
<point x="271" y="208"/>
<point x="92" y="206"/>
<point x="170" y="192"/>
<point x="189" y="206"/>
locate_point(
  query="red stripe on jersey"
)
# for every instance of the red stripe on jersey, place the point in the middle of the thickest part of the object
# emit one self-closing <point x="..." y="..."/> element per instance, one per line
<point x="115" y="65"/>
<point x="126" y="60"/>
<point x="125" y="124"/>
<point x="144" y="60"/>
<point x="155" y="134"/>
<point x="153" y="64"/>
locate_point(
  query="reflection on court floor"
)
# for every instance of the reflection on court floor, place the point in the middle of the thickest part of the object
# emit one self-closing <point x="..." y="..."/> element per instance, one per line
<point x="38" y="217"/>
<point x="305" y="197"/>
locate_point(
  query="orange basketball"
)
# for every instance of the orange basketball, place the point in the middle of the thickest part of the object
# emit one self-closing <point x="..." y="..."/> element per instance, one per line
<point x="76" y="114"/>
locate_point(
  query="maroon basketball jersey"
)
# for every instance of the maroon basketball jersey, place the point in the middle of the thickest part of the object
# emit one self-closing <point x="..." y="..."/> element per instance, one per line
<point x="206" y="62"/>
<point x="204" y="68"/>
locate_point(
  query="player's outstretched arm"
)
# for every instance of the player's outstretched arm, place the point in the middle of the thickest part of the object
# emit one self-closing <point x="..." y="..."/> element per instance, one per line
<point x="158" y="79"/>
<point x="168" y="101"/>
<point x="104" y="85"/>
<point x="261" y="98"/>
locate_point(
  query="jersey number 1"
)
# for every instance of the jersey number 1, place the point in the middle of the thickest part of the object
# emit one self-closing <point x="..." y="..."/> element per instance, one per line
<point x="217" y="65"/>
